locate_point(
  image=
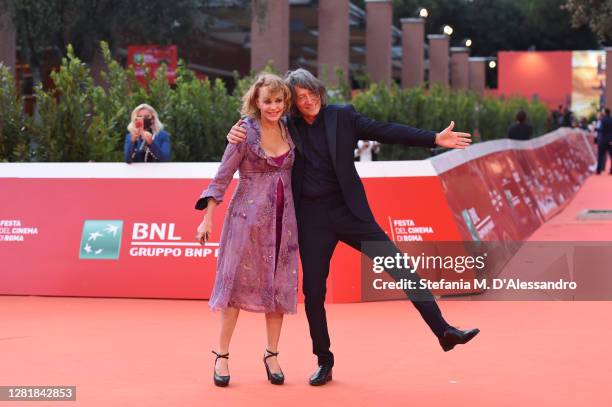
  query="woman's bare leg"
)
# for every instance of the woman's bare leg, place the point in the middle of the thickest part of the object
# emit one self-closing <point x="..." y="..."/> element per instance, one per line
<point x="274" y="323"/>
<point x="229" y="317"/>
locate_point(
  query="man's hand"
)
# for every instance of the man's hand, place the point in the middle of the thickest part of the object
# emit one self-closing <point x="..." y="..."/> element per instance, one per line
<point x="237" y="134"/>
<point x="448" y="138"/>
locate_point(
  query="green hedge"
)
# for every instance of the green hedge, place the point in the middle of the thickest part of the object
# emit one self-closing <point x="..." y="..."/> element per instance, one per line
<point x="13" y="135"/>
<point x="486" y="117"/>
<point x="81" y="121"/>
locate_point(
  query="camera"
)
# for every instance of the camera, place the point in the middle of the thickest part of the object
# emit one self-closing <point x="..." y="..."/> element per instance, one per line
<point x="148" y="124"/>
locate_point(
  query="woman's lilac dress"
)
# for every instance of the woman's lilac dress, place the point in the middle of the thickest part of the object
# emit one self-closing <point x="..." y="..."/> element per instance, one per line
<point x="258" y="253"/>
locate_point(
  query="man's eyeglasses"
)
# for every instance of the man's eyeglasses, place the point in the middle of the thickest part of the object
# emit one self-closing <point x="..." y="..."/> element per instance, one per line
<point x="313" y="97"/>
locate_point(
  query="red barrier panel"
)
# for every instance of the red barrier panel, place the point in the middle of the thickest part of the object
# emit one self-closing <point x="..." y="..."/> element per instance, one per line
<point x="117" y="230"/>
<point x="504" y="189"/>
<point x="114" y="236"/>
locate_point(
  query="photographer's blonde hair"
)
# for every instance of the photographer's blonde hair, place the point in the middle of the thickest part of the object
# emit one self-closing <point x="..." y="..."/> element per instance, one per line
<point x="156" y="126"/>
<point x="275" y="83"/>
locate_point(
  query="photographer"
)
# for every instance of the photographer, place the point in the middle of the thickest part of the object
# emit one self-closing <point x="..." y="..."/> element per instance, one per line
<point x="146" y="140"/>
<point x="367" y="150"/>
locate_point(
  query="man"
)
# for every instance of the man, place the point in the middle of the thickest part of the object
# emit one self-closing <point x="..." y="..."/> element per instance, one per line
<point x="520" y="130"/>
<point x="567" y="119"/>
<point x="604" y="141"/>
<point x="331" y="204"/>
<point x="557" y="117"/>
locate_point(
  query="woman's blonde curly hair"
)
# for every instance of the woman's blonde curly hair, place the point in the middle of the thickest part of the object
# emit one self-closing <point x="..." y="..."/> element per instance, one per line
<point x="274" y="83"/>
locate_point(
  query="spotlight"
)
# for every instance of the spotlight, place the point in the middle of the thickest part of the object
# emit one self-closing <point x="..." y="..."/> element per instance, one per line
<point x="423" y="13"/>
<point x="448" y="30"/>
<point x="492" y="64"/>
<point x="468" y="43"/>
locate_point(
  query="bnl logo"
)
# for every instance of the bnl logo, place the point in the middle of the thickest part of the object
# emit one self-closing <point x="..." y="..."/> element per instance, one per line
<point x="101" y="239"/>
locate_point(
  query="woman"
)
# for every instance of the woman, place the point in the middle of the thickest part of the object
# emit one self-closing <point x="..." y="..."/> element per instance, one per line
<point x="146" y="141"/>
<point x="258" y="256"/>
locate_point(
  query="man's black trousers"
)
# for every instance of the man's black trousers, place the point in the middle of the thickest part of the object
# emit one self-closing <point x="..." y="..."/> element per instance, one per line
<point x="322" y="224"/>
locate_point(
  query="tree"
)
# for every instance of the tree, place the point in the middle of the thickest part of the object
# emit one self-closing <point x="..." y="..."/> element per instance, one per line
<point x="496" y="25"/>
<point x="35" y="21"/>
<point x="44" y="25"/>
<point x="597" y="14"/>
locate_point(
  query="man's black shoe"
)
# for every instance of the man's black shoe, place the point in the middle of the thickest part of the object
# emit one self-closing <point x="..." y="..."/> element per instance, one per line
<point x="321" y="376"/>
<point x="453" y="336"/>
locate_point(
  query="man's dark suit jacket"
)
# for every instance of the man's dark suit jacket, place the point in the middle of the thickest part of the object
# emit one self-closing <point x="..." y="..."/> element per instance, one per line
<point x="606" y="129"/>
<point x="520" y="131"/>
<point x="344" y="127"/>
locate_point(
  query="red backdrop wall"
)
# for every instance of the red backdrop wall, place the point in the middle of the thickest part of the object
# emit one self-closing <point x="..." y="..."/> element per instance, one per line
<point x="545" y="73"/>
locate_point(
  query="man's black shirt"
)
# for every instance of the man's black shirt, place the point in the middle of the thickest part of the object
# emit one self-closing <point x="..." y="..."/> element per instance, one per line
<point x="319" y="176"/>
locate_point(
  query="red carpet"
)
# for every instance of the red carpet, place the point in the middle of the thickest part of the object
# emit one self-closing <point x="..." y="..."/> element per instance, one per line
<point x="157" y="353"/>
<point x="121" y="352"/>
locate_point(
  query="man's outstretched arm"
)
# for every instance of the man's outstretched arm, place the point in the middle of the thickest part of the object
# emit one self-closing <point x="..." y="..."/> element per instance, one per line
<point x="393" y="133"/>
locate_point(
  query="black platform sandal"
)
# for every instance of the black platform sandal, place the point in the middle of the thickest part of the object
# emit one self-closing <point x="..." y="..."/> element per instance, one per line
<point x="221" y="381"/>
<point x="274" y="378"/>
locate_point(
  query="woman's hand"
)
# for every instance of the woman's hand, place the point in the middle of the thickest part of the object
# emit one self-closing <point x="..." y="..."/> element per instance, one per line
<point x="148" y="137"/>
<point x="135" y="135"/>
<point x="204" y="230"/>
<point x="452" y="139"/>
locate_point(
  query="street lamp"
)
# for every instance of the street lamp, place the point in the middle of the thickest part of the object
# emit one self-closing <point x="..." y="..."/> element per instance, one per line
<point x="492" y="64"/>
<point x="448" y="30"/>
<point x="468" y="42"/>
<point x="423" y="13"/>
